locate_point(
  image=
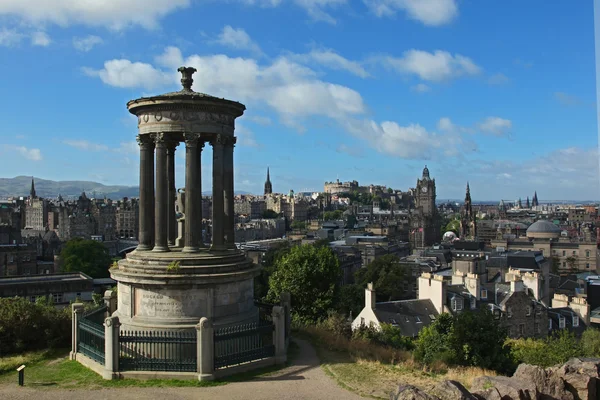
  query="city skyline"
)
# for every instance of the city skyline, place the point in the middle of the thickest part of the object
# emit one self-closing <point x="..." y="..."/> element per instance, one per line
<point x="365" y="90"/>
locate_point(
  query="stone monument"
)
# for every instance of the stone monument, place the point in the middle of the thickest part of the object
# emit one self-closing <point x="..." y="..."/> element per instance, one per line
<point x="168" y="283"/>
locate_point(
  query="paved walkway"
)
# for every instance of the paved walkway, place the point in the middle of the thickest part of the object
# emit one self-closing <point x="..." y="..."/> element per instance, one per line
<point x="302" y="380"/>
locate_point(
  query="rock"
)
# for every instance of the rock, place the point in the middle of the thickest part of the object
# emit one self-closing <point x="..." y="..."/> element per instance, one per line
<point x="548" y="384"/>
<point x="452" y="390"/>
<point x="580" y="376"/>
<point x="489" y="394"/>
<point x="409" y="392"/>
<point x="508" y="388"/>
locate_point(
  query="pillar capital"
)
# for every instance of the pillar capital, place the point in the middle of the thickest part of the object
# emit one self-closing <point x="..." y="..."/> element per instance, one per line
<point x="223" y="140"/>
<point x="145" y="140"/>
<point x="160" y="139"/>
<point x="193" y="139"/>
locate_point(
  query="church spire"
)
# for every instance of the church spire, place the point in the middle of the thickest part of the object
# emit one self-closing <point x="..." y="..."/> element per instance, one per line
<point x="268" y="184"/>
<point x="32" y="191"/>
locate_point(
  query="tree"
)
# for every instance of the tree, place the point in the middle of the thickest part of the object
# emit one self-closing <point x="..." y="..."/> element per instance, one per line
<point x="270" y="214"/>
<point x="87" y="256"/>
<point x="311" y="275"/>
<point x="261" y="282"/>
<point x="572" y="263"/>
<point x="388" y="276"/>
<point x="390" y="190"/>
<point x="332" y="215"/>
<point x="453" y="226"/>
<point x="590" y="342"/>
<point x="555" y="265"/>
<point x="298" y="225"/>
<point x="351" y="221"/>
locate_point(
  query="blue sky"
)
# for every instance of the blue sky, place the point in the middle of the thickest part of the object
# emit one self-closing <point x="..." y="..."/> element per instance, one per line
<point x="499" y="93"/>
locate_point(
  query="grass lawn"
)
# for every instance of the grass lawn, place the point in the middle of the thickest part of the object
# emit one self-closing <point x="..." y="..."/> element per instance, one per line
<point x="368" y="377"/>
<point x="52" y="368"/>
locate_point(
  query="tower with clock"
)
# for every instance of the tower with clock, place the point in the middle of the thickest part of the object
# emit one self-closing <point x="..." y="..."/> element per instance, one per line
<point x="424" y="229"/>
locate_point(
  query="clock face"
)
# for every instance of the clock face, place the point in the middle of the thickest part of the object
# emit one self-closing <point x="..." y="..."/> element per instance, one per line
<point x="424" y="189"/>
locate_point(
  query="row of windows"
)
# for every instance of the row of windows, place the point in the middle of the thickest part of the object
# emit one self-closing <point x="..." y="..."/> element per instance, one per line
<point x="564" y="253"/>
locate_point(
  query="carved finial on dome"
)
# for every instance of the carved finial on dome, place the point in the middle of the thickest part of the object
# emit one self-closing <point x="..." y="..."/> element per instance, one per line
<point x="186" y="77"/>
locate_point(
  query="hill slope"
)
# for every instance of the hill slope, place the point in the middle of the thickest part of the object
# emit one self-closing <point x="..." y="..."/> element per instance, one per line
<point x="20" y="186"/>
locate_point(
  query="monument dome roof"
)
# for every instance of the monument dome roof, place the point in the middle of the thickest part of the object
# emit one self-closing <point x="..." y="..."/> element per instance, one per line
<point x="544" y="228"/>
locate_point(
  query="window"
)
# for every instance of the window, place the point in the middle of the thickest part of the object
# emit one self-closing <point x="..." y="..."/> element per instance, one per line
<point x="483" y="294"/>
<point x="32" y="299"/>
<point x="574" y="253"/>
<point x="587" y="253"/>
<point x="564" y="253"/>
<point x="432" y="317"/>
<point x="473" y="303"/>
<point x="521" y="329"/>
<point x="362" y="321"/>
<point x="528" y="311"/>
<point x="457" y="304"/>
<point x="418" y="319"/>
<point x="564" y="264"/>
<point x="509" y="312"/>
<point x="587" y="265"/>
<point x="575" y="321"/>
<point x="536" y="327"/>
<point x="561" y="322"/>
<point x="57" y="297"/>
<point x="496" y="314"/>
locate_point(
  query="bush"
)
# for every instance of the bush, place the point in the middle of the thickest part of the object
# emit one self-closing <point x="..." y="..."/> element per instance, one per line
<point x="26" y="326"/>
<point x="337" y="324"/>
<point x="555" y="349"/>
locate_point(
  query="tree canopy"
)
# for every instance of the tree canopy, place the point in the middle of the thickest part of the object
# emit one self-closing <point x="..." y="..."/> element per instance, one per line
<point x="388" y="276"/>
<point x="87" y="256"/>
<point x="311" y="275"/>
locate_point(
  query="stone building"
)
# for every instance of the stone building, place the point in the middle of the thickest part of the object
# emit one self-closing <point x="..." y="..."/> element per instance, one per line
<point x="292" y="208"/>
<point x="259" y="229"/>
<point x="106" y="220"/>
<point x="18" y="259"/>
<point x="36" y="211"/>
<point x="544" y="236"/>
<point x="268" y="184"/>
<point x="127" y="218"/>
<point x="251" y="207"/>
<point x="62" y="289"/>
<point x="425" y="229"/>
<point x="468" y="219"/>
<point x="341" y="187"/>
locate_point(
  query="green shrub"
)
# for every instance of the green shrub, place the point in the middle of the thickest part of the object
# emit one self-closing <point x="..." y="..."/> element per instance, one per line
<point x="337" y="324"/>
<point x="28" y="326"/>
<point x="555" y="349"/>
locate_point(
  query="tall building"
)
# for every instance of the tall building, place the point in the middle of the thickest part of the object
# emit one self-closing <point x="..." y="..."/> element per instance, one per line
<point x="36" y="211"/>
<point x="268" y="185"/>
<point x="424" y="220"/>
<point x="534" y="202"/>
<point x="468" y="220"/>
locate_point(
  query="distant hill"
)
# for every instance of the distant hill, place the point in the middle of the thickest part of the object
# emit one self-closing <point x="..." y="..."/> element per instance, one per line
<point x="20" y="186"/>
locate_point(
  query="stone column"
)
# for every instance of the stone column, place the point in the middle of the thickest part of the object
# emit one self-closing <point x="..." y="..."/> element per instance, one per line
<point x="110" y="300"/>
<point x="171" y="216"/>
<point x="229" y="229"/>
<point x="205" y="350"/>
<point x="278" y="316"/>
<point x="77" y="309"/>
<point x="111" y="348"/>
<point x="193" y="192"/>
<point x="161" y="203"/>
<point x="146" y="204"/>
<point x="218" y="206"/>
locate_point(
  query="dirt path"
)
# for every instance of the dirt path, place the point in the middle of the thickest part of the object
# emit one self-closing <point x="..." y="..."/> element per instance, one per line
<point x="302" y="380"/>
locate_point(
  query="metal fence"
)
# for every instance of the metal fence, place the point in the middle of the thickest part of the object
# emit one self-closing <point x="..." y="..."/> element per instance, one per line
<point x="90" y="334"/>
<point x="157" y="351"/>
<point x="243" y="343"/>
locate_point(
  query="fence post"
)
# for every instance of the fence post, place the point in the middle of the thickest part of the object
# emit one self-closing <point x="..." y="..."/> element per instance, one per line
<point x="111" y="347"/>
<point x="77" y="309"/>
<point x="286" y="302"/>
<point x="110" y="300"/>
<point x="205" y="350"/>
<point x="279" y="335"/>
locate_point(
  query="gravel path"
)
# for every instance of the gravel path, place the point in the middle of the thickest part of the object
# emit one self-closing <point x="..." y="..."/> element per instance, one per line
<point x="302" y="380"/>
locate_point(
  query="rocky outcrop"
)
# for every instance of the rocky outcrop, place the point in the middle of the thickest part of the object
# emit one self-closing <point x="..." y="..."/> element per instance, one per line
<point x="577" y="379"/>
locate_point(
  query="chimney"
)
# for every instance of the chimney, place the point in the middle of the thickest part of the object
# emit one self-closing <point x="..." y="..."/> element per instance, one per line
<point x="516" y="285"/>
<point x="370" y="296"/>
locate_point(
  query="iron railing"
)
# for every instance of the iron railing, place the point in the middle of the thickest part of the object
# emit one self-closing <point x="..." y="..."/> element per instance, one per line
<point x="157" y="351"/>
<point x="243" y="343"/>
<point x="90" y="334"/>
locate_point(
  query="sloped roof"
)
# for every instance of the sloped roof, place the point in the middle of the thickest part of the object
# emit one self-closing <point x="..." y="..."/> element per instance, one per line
<point x="408" y="315"/>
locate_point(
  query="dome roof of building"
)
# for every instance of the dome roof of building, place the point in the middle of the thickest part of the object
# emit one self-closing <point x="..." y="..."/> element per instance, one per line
<point x="543" y="226"/>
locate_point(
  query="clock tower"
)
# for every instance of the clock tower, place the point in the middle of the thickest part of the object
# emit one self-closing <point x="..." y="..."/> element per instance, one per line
<point x="424" y="221"/>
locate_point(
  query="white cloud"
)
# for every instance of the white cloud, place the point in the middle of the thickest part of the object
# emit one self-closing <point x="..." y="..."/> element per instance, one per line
<point x="332" y="60"/>
<point x="113" y="14"/>
<point x="567" y="99"/>
<point x="314" y="8"/>
<point x="498" y="79"/>
<point x="237" y="39"/>
<point x="435" y="67"/>
<point x="420" y="88"/>
<point x="86" y="43"/>
<point x="40" y="39"/>
<point x="428" y="12"/>
<point x="245" y="136"/>
<point x="446" y="125"/>
<point x="257" y="119"/>
<point x="10" y="37"/>
<point x="410" y="142"/>
<point x="30" y="154"/>
<point x="289" y="88"/>
<point x="495" y="126"/>
<point x="130" y="147"/>
<point x="85" y="145"/>
<point x="127" y="74"/>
